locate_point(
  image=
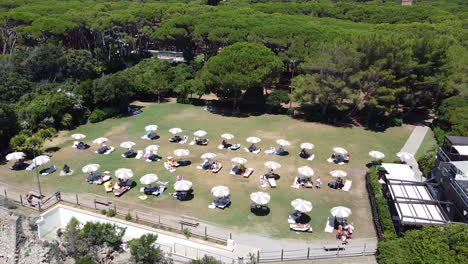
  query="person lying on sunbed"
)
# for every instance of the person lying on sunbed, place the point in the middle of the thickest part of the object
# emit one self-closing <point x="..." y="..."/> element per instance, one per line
<point x="199" y="141"/>
<point x="81" y="145"/>
<point x="19" y="165"/>
<point x="222" y="202"/>
<point x="339" y="158"/>
<point x="151" y="135"/>
<point x="207" y="164"/>
<point x="304" y="154"/>
<point x="93" y="176"/>
<point x="215" y="167"/>
<point x="270" y="174"/>
<point x="225" y="144"/>
<point x="239" y="169"/>
<point x="180" y="195"/>
<point x="172" y="162"/>
<point x="103" y="149"/>
<point x="130" y="153"/>
<point x="280" y="151"/>
<point x="151" y="189"/>
<point x="66" y="168"/>
<point x="296" y="215"/>
<point x="154" y="157"/>
<point x="175" y="138"/>
<point x="253" y="147"/>
<point x="339" y="183"/>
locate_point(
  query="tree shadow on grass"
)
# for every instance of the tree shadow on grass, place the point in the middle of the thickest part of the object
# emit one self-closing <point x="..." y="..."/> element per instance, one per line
<point x="262" y="210"/>
<point x="303" y="219"/>
<point x="52" y="149"/>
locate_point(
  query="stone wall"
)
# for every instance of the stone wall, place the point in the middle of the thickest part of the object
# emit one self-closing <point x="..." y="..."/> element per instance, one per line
<point x="8" y="237"/>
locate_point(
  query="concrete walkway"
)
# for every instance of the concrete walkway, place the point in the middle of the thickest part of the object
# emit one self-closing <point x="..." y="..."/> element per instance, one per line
<point x="412" y="145"/>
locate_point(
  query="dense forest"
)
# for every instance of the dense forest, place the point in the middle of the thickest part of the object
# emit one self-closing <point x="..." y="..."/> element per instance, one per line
<point x="67" y="62"/>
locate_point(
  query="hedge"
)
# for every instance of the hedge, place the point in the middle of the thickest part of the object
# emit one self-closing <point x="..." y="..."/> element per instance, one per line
<point x="382" y="206"/>
<point x="100" y="114"/>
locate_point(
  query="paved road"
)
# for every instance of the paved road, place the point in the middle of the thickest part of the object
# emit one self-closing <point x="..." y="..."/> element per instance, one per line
<point x="412" y="145"/>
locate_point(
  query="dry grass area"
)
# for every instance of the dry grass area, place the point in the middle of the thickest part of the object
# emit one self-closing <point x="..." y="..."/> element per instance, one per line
<point x="356" y="140"/>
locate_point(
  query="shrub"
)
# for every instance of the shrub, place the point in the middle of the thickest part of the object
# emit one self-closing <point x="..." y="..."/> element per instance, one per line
<point x="395" y="122"/>
<point x="111" y="213"/>
<point x="99" y="114"/>
<point x="382" y="206"/>
<point x="427" y="162"/>
<point x="276" y="98"/>
<point x="85" y="260"/>
<point x="187" y="233"/>
<point x="67" y="121"/>
<point x="103" y="211"/>
<point x="128" y="217"/>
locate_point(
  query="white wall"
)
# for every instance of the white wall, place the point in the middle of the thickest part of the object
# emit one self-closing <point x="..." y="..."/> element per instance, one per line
<point x="59" y="217"/>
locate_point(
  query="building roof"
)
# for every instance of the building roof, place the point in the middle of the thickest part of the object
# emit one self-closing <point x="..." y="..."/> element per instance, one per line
<point x="457" y="140"/>
<point x="462" y="150"/>
<point x="399" y="172"/>
<point x="414" y="204"/>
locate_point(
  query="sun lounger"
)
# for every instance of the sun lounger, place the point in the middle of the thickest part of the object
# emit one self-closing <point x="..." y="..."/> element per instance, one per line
<point x="184" y="140"/>
<point x="311" y="157"/>
<point x="32" y="166"/>
<point x="221" y="146"/>
<point x="62" y="173"/>
<point x="347" y="185"/>
<point x="329" y="226"/>
<point x="300" y="227"/>
<point x="235" y="147"/>
<point x="102" y="180"/>
<point x="169" y="167"/>
<point x="248" y="172"/>
<point x="109" y="151"/>
<point x="270" y="150"/>
<point x="220" y="166"/>
<point x="272" y="182"/>
<point x="119" y="192"/>
<point x="222" y="203"/>
<point x="295" y="184"/>
<point x="330" y="160"/>
<point x="108" y="186"/>
<point x="192" y="142"/>
<point x="254" y="152"/>
<point x="49" y="170"/>
<point x="75" y="144"/>
<point x="139" y="154"/>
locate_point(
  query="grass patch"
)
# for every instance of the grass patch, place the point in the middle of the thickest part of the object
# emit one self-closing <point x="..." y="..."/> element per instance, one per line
<point x="357" y="140"/>
<point x="429" y="143"/>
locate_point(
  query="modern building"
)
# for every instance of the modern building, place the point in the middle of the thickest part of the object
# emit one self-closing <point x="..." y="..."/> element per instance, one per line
<point x="450" y="177"/>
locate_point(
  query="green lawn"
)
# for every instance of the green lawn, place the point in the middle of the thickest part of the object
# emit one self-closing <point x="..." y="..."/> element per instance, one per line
<point x="358" y="141"/>
<point x="429" y="143"/>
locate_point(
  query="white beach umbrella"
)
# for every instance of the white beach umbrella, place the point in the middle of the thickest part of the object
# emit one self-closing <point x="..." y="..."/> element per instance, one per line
<point x="152" y="148"/>
<point x="306" y="171"/>
<point x="260" y="198"/>
<point x="208" y="155"/>
<point x="127" y="144"/>
<point x="283" y="142"/>
<point x="239" y="160"/>
<point x="151" y="128"/>
<point x="200" y="133"/>
<point x="227" y="136"/>
<point x="91" y="168"/>
<point x="253" y="140"/>
<point x="307" y="145"/>
<point x="181" y="152"/>
<point x="301" y="205"/>
<point x="182" y="185"/>
<point x="272" y="165"/>
<point x="124" y="173"/>
<point x="376" y="154"/>
<point x="149" y="178"/>
<point x="339" y="150"/>
<point x="175" y="130"/>
<point x="41" y="160"/>
<point x="340" y="211"/>
<point x="78" y="136"/>
<point x="15" y="156"/>
<point x="338" y="173"/>
<point x="404" y="156"/>
<point x="100" y="140"/>
<point x="220" y="191"/>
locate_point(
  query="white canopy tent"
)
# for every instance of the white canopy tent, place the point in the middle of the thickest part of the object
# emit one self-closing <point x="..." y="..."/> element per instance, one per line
<point x="462" y="150"/>
<point x="399" y="172"/>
